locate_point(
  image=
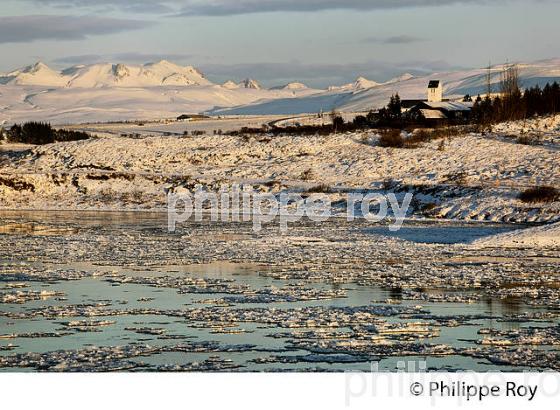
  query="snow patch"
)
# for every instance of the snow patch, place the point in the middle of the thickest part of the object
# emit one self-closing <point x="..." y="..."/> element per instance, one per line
<point x="542" y="236"/>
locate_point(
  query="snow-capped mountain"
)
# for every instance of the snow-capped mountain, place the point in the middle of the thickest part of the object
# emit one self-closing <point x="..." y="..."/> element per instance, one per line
<point x="230" y="85"/>
<point x="291" y="86"/>
<point x="350" y="99"/>
<point x="250" y="83"/>
<point x="107" y="75"/>
<point x="106" y="91"/>
<point x="402" y="77"/>
<point x="36" y="74"/>
<point x="102" y="92"/>
<point x="361" y="83"/>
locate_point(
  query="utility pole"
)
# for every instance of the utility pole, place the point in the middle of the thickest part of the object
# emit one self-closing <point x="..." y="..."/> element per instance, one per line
<point x="489" y="80"/>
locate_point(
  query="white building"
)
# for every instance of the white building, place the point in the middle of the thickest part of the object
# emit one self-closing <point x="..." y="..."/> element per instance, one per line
<point x="435" y="91"/>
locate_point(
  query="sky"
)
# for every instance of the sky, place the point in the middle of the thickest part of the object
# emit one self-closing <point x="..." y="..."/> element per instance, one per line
<point x="318" y="42"/>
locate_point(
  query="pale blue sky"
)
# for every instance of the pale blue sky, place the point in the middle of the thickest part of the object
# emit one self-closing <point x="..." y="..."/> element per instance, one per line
<point x="320" y="42"/>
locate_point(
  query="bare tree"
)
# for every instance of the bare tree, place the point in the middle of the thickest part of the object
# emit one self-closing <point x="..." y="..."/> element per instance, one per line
<point x="510" y="92"/>
<point x="509" y="81"/>
<point x="489" y="81"/>
<point x="335" y="119"/>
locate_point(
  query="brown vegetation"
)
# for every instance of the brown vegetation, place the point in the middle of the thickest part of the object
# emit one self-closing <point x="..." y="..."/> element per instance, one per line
<point x="540" y="194"/>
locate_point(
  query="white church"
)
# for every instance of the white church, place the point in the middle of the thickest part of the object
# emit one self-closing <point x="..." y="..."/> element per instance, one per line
<point x="435" y="91"/>
<point x="436" y="107"/>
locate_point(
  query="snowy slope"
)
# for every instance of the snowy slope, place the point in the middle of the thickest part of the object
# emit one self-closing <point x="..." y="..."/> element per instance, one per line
<point x="106" y="75"/>
<point x="250" y="83"/>
<point x="230" y="85"/>
<point x="36" y="74"/>
<point x="542" y="236"/>
<point x="78" y="105"/>
<point x="361" y="83"/>
<point x="154" y="74"/>
<point x="291" y="86"/>
<point x="350" y="98"/>
<point x="494" y="170"/>
<point x="109" y="92"/>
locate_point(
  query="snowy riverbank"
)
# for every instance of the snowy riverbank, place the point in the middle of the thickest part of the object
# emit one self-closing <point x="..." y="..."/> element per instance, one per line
<point x="470" y="177"/>
<point x="542" y="236"/>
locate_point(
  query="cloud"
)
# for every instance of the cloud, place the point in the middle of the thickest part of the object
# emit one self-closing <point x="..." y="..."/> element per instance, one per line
<point x="273" y="73"/>
<point x="129" y="57"/>
<point x="132" y="6"/>
<point x="320" y="75"/>
<point x="233" y="7"/>
<point x="394" y="40"/>
<point x="23" y="29"/>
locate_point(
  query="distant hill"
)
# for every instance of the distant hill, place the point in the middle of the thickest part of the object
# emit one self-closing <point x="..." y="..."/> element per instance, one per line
<point x="350" y="98"/>
<point x="109" y="92"/>
<point x="291" y="86"/>
<point x="107" y="75"/>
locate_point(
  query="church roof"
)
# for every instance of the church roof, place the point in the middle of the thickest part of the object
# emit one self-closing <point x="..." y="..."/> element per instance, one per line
<point x="449" y="105"/>
<point x="433" y="114"/>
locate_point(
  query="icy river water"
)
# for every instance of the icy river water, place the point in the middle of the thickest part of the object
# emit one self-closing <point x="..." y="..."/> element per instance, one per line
<point x="94" y="291"/>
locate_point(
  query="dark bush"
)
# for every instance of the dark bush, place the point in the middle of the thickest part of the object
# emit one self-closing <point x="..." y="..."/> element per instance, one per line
<point x="542" y="194"/>
<point x="66" y="135"/>
<point x="527" y="140"/>
<point x="307" y="174"/>
<point x="320" y="189"/>
<point x="360" y="121"/>
<point x="31" y="133"/>
<point x="391" y="139"/>
<point x="338" y="123"/>
<point x="427" y="135"/>
<point x="17" y="185"/>
<point x="39" y="133"/>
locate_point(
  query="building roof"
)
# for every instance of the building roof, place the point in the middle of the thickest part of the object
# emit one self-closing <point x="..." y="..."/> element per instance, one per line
<point x="433" y="84"/>
<point x="448" y="105"/>
<point x="433" y="114"/>
<point x="410" y="103"/>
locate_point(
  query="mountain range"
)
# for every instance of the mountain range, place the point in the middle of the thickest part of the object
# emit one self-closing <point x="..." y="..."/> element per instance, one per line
<point x="110" y="92"/>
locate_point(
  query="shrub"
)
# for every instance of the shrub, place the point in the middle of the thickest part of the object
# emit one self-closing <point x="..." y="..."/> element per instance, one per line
<point x="320" y="189"/>
<point x="272" y="183"/>
<point x="338" y="123"/>
<point x="527" y="140"/>
<point x="17" y="185"/>
<point x="365" y="139"/>
<point x="66" y="135"/>
<point x="458" y="178"/>
<point x="32" y="133"/>
<point x="307" y="175"/>
<point x="360" y="121"/>
<point x="39" y="133"/>
<point x="391" y="139"/>
<point x="423" y="136"/>
<point x="542" y="194"/>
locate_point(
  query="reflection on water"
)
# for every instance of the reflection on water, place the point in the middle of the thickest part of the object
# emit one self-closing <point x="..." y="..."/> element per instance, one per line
<point x="444" y="234"/>
<point x="268" y="337"/>
<point x="31" y="228"/>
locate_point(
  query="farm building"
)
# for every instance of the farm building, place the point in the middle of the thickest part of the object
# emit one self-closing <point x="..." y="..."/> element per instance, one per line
<point x="442" y="111"/>
<point x="436" y="109"/>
